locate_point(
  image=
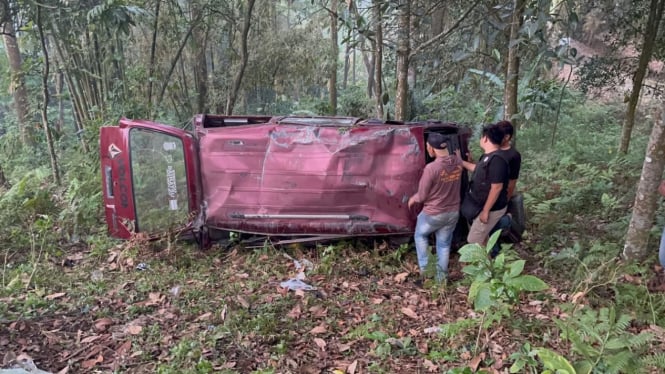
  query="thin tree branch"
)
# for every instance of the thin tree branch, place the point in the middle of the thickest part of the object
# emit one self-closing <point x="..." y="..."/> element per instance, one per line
<point x="444" y="34"/>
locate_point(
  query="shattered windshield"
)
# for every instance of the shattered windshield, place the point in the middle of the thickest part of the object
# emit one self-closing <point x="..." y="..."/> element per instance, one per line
<point x="160" y="180"/>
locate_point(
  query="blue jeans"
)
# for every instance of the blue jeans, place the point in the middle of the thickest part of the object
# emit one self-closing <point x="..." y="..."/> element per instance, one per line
<point x="443" y="225"/>
<point x="661" y="251"/>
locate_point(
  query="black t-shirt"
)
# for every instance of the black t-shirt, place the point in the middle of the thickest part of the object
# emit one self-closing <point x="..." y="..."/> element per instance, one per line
<point x="514" y="159"/>
<point x="491" y="169"/>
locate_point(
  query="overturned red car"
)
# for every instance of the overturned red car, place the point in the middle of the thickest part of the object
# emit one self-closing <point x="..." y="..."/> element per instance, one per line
<point x="290" y="176"/>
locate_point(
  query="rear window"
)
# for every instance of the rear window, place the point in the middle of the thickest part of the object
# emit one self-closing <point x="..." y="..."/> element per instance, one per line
<point x="159" y="180"/>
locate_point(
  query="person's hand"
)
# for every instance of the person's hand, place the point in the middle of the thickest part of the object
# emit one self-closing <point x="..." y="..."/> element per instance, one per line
<point x="458" y="153"/>
<point x="484" y="216"/>
<point x="411" y="202"/>
<point x="661" y="188"/>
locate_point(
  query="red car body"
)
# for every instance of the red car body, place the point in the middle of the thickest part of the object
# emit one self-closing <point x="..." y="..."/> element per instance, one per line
<point x="284" y="176"/>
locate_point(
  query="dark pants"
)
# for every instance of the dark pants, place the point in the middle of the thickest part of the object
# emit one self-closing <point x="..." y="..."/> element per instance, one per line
<point x="504" y="223"/>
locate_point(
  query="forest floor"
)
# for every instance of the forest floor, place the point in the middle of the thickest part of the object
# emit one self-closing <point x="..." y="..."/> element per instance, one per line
<point x="181" y="310"/>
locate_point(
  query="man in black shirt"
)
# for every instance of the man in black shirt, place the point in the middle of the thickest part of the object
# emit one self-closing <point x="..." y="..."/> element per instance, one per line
<point x="489" y="186"/>
<point x="514" y="159"/>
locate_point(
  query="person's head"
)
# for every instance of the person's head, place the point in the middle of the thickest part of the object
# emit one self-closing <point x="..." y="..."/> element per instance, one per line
<point x="437" y="145"/>
<point x="491" y="137"/>
<point x="508" y="131"/>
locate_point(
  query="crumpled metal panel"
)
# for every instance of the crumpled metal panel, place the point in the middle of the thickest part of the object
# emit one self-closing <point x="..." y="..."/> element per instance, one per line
<point x="299" y="179"/>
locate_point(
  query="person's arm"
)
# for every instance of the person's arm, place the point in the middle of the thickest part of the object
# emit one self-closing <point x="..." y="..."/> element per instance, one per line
<point x="511" y="188"/>
<point x="495" y="190"/>
<point x="514" y="170"/>
<point x="467" y="165"/>
<point x="661" y="188"/>
<point x="424" y="187"/>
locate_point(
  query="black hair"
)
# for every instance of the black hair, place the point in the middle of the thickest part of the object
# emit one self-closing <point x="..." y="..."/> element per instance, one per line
<point x="493" y="133"/>
<point x="506" y="127"/>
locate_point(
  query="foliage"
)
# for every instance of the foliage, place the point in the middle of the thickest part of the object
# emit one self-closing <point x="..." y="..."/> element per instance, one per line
<point x="602" y="342"/>
<point x="496" y="283"/>
<point x="554" y="363"/>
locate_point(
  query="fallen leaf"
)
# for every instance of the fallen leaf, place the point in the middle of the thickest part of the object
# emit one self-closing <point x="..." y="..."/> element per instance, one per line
<point x="243" y="302"/>
<point x="352" y="368"/>
<point x="89" y="339"/>
<point x="377" y="300"/>
<point x="429" y="365"/>
<point x="64" y="370"/>
<point x="320" y="329"/>
<point x="318" y="311"/>
<point x="473" y="364"/>
<point x="124" y="348"/>
<point x="401" y="277"/>
<point x="103" y="323"/>
<point x="295" y="312"/>
<point x="409" y="312"/>
<point x="112" y="257"/>
<point x="9" y="358"/>
<point x="56" y="295"/>
<point x="321" y="343"/>
<point x="92" y="362"/>
<point x="154" y="298"/>
<point x="204" y="317"/>
<point x="343" y="347"/>
<point x="577" y="296"/>
<point x="134" y="329"/>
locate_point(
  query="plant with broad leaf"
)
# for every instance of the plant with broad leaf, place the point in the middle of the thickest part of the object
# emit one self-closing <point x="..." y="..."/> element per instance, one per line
<point x="497" y="283"/>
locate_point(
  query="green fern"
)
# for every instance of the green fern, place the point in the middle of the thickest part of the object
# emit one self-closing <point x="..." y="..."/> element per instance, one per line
<point x="656" y="360"/>
<point x="603" y="344"/>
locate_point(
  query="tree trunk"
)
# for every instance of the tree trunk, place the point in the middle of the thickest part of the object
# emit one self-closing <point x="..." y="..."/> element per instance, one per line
<point x="174" y="63"/>
<point x="17" y="86"/>
<point x="378" y="57"/>
<point x="403" y="50"/>
<point x="650" y="33"/>
<point x="347" y="66"/>
<point x="243" y="59"/>
<point x="199" y="41"/>
<point x="3" y="180"/>
<point x="334" y="46"/>
<point x="45" y="100"/>
<point x="59" y="85"/>
<point x="644" y="208"/>
<point x="513" y="67"/>
<point x="153" y="48"/>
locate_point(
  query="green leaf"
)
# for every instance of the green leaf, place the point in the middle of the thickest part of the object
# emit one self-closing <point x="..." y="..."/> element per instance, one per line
<point x="499" y="262"/>
<point x="484" y="297"/>
<point x="617" y="343"/>
<point x="492" y="77"/>
<point x="516" y="268"/>
<point x="517" y="366"/>
<point x="527" y="283"/>
<point x="493" y="239"/>
<point x="472" y="253"/>
<point x="554" y="361"/>
<point x="583" y="367"/>
<point x="496" y="54"/>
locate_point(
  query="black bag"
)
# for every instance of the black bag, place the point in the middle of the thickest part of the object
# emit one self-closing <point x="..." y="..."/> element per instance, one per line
<point x="470" y="208"/>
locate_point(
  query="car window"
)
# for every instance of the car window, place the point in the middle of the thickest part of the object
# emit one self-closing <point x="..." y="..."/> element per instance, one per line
<point x="159" y="180"/>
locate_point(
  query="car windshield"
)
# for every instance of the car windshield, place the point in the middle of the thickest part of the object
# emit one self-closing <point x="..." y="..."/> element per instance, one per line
<point x="159" y="179"/>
